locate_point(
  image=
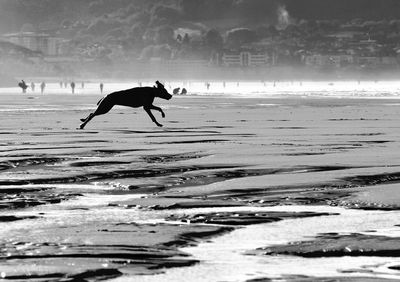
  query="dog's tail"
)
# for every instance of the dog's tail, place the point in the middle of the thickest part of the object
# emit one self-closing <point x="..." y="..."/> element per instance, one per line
<point x="101" y="100"/>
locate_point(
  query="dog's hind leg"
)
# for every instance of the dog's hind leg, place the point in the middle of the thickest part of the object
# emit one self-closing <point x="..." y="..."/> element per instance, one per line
<point x="86" y="120"/>
<point x="103" y="108"/>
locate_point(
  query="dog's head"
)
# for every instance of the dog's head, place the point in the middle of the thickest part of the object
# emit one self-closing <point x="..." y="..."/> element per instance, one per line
<point x="162" y="92"/>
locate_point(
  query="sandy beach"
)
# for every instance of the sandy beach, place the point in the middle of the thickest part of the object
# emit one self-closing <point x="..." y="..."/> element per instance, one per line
<point x="290" y="187"/>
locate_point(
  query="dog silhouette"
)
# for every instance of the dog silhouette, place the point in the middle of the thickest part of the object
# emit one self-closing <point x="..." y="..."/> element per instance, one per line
<point x="135" y="98"/>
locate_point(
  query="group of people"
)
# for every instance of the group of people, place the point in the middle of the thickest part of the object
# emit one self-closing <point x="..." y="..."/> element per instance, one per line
<point x="176" y="91"/>
<point x="25" y="86"/>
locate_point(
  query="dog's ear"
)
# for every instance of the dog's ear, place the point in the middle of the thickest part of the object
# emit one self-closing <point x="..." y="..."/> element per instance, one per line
<point x="159" y="85"/>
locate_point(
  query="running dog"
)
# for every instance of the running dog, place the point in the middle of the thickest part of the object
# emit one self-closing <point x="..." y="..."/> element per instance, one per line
<point x="135" y="98"/>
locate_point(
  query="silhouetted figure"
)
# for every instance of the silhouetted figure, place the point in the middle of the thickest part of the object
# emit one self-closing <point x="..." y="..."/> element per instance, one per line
<point x="224" y="84"/>
<point x="42" y="87"/>
<point x="23" y="86"/>
<point x="184" y="91"/>
<point x="61" y="84"/>
<point x="73" y="87"/>
<point x="101" y="87"/>
<point x="208" y="85"/>
<point x="83" y="84"/>
<point x="134" y="97"/>
<point x="140" y="84"/>
<point x="33" y="87"/>
<point x="176" y="91"/>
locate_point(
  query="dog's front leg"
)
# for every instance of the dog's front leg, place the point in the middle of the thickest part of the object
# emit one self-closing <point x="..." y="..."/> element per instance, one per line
<point x="158" y="109"/>
<point x="148" y="111"/>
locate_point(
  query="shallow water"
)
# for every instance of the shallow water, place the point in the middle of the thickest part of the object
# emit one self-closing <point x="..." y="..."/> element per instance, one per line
<point x="254" y="89"/>
<point x="224" y="258"/>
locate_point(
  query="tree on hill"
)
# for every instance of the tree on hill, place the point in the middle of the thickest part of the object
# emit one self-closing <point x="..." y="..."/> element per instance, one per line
<point x="213" y="39"/>
<point x="237" y="37"/>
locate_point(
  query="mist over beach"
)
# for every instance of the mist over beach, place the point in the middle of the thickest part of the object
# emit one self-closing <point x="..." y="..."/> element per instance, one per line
<point x="275" y="159"/>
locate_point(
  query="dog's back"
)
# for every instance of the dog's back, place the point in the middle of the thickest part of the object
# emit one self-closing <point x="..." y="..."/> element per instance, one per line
<point x="134" y="97"/>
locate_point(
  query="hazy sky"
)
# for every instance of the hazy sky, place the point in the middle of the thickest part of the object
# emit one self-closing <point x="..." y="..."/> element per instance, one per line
<point x="14" y="13"/>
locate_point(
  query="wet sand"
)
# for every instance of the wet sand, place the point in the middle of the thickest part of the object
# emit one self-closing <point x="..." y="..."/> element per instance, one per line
<point x="125" y="200"/>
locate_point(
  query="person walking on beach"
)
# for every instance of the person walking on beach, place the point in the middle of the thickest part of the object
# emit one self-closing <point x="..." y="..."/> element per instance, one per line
<point x="33" y="87"/>
<point x="101" y="87"/>
<point x="23" y="86"/>
<point x="83" y="85"/>
<point x="73" y="87"/>
<point x="42" y="87"/>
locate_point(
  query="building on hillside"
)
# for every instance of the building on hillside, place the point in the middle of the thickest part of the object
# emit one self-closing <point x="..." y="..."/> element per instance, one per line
<point x="389" y="61"/>
<point x="328" y="60"/>
<point x="244" y="59"/>
<point x="368" y="61"/>
<point x="46" y="44"/>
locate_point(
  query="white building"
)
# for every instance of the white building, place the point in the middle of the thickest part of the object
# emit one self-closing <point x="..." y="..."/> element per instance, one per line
<point x="244" y="59"/>
<point x="328" y="60"/>
<point x="41" y="42"/>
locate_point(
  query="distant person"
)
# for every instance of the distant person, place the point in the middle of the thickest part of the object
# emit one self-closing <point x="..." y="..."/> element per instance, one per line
<point x="140" y="84"/>
<point x="184" y="91"/>
<point x="33" y="87"/>
<point x="42" y="87"/>
<point x="101" y="87"/>
<point x="224" y="84"/>
<point x="73" y="87"/>
<point x="23" y="86"/>
<point x="176" y="90"/>
<point x="208" y="85"/>
<point x="83" y="85"/>
<point x="61" y="84"/>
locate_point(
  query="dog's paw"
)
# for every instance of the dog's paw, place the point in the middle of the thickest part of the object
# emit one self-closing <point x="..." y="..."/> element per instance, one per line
<point x="163" y="115"/>
<point x="159" y="125"/>
<point x="82" y="119"/>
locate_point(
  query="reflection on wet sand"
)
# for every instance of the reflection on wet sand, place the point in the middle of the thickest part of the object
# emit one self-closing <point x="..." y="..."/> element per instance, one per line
<point x="124" y="198"/>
